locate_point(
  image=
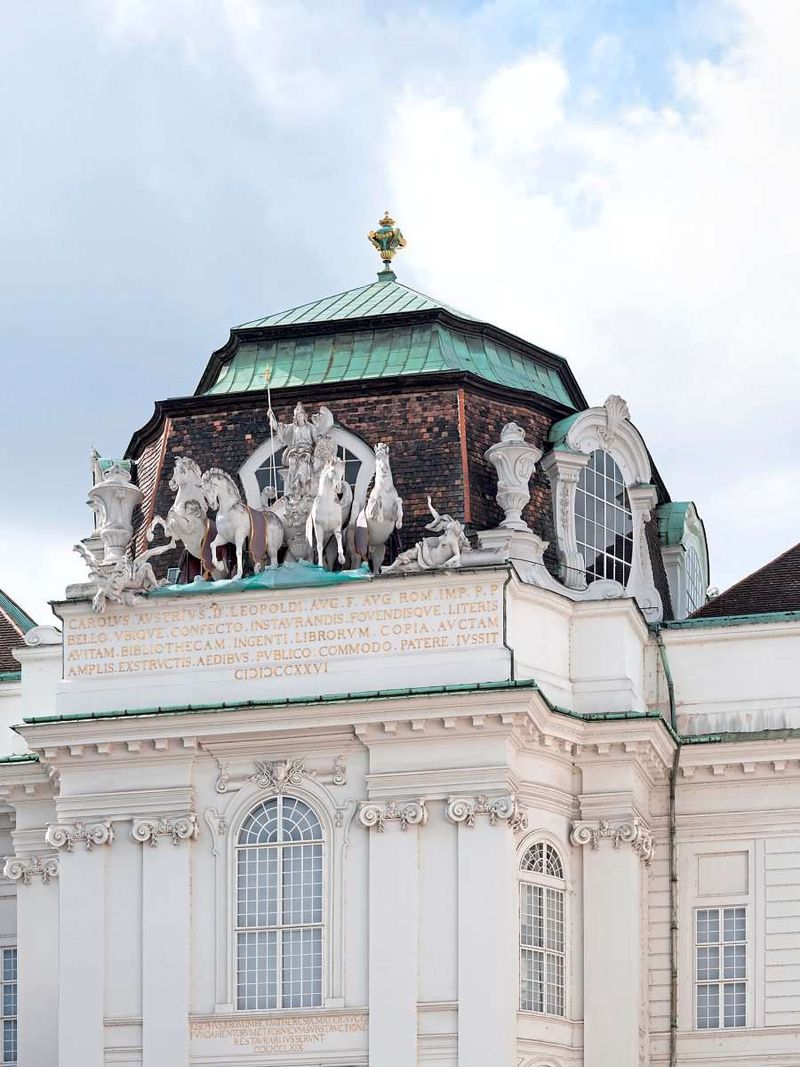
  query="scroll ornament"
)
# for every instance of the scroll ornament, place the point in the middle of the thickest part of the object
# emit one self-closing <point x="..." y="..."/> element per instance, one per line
<point x="178" y="828"/>
<point x="67" y="835"/>
<point x="625" y="833"/>
<point x="25" y="868"/>
<point x="504" y="809"/>
<point x="406" y="812"/>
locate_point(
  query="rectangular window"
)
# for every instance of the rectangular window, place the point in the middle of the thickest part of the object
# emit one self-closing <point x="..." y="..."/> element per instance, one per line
<point x="541" y="949"/>
<point x="721" y="967"/>
<point x="8" y="990"/>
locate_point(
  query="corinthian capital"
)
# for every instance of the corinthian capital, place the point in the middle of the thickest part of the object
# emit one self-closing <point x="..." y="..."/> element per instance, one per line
<point x="90" y="834"/>
<point x="502" y="809"/>
<point x="25" y="868"/>
<point x="406" y="812"/>
<point x="630" y="833"/>
<point x="176" y="827"/>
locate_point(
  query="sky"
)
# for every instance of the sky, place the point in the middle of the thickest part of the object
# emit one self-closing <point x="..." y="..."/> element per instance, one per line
<point x="615" y="180"/>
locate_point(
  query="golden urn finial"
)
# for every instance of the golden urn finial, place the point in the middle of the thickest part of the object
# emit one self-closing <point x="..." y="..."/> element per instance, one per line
<point x="387" y="239"/>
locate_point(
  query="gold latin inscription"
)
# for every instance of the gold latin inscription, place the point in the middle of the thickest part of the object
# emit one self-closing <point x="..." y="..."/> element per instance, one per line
<point x="277" y="636"/>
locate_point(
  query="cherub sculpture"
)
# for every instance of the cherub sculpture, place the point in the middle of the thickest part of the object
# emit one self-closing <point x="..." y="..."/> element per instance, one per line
<point x="433" y="552"/>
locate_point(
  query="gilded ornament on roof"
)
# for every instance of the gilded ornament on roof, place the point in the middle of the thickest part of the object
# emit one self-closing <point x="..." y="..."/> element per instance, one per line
<point x="387" y="239"/>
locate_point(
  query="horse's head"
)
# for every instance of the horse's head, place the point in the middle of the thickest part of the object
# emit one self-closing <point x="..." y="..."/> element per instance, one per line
<point x="210" y="484"/>
<point x="382" y="458"/>
<point x="333" y="474"/>
<point x="186" y="470"/>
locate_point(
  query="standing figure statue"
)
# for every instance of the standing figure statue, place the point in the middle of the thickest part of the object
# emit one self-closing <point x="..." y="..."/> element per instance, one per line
<point x="375" y="523"/>
<point x="433" y="552"/>
<point x="307" y="448"/>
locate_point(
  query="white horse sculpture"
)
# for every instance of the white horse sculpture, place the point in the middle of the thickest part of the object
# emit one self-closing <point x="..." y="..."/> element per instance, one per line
<point x="383" y="514"/>
<point x="238" y="524"/>
<point x="326" y="517"/>
<point x="187" y="520"/>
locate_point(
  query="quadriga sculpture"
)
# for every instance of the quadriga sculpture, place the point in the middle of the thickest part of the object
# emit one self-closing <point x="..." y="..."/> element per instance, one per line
<point x="433" y="552"/>
<point x="187" y="520"/>
<point x="368" y="535"/>
<point x="237" y="524"/>
<point x="329" y="511"/>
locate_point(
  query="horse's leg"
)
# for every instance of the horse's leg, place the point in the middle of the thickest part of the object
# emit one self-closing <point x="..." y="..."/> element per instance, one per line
<point x="338" y="535"/>
<point x="217" y="564"/>
<point x="151" y="529"/>
<point x="376" y="555"/>
<point x="320" y="547"/>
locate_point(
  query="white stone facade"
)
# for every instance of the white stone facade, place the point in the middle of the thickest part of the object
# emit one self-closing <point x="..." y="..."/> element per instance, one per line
<point x="123" y="835"/>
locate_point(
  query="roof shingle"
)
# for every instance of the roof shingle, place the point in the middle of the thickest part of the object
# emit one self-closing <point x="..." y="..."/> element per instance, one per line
<point x="14" y="624"/>
<point x="774" y="587"/>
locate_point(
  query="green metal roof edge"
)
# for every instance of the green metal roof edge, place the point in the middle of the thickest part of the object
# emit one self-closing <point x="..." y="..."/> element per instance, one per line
<point x="20" y="618"/>
<point x="729" y="620"/>
<point x="559" y="430"/>
<point x="237" y="705"/>
<point x="671" y="519"/>
<point x="22" y="757"/>
<point x="10" y="676"/>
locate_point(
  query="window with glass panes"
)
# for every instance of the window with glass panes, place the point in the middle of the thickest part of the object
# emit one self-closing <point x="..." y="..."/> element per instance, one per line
<point x="271" y="471"/>
<point x="695" y="593"/>
<point x="542" y="933"/>
<point x="9" y="994"/>
<point x="279" y="891"/>
<point x="603" y="520"/>
<point x="721" y="967"/>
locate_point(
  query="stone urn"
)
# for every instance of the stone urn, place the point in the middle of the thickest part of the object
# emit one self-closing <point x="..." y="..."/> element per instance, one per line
<point x="514" y="460"/>
<point x="113" y="498"/>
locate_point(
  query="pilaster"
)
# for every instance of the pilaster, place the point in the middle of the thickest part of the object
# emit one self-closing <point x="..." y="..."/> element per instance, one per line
<point x="487" y="992"/>
<point x="393" y="927"/>
<point x="563" y="467"/>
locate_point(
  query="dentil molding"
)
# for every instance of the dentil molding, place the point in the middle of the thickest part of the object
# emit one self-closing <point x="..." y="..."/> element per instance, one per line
<point x="91" y="834"/>
<point x="25" y="868"/>
<point x="178" y="828"/>
<point x="503" y="809"/>
<point x="406" y="812"/>
<point x="624" y="833"/>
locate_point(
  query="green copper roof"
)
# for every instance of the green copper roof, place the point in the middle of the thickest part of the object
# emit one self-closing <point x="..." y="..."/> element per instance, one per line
<point x="14" y="612"/>
<point x="378" y="298"/>
<point x="345" y="355"/>
<point x="671" y="521"/>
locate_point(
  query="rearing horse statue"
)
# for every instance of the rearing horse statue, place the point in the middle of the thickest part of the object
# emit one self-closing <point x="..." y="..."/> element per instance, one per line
<point x="187" y="520"/>
<point x="375" y="523"/>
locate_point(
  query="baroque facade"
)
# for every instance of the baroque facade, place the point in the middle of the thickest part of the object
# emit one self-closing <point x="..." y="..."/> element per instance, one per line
<point x="394" y="726"/>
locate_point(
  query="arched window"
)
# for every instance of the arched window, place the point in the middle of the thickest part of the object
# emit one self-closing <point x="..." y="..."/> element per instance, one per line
<point x="695" y="591"/>
<point x="260" y="470"/>
<point x="603" y="520"/>
<point x="542" y="931"/>
<point x="279" y="907"/>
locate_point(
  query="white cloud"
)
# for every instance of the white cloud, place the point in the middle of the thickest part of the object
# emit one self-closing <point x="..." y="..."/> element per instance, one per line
<point x="656" y="249"/>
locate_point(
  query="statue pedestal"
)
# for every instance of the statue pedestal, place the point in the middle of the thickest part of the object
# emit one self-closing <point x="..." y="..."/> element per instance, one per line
<point x="513" y="544"/>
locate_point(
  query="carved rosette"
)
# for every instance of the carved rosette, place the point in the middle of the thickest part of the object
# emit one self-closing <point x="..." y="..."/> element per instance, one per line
<point x="176" y="827"/>
<point x="68" y="835"/>
<point x="406" y="812"/>
<point x="625" y="833"/>
<point x="25" y="868"/>
<point x="499" y="810"/>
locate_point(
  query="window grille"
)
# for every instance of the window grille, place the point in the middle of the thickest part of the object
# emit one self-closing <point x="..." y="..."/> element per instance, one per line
<point x="721" y="967"/>
<point x="279" y="891"/>
<point x="265" y="475"/>
<point x="542" y="931"/>
<point x="9" y="994"/>
<point x="603" y="520"/>
<point x="695" y="592"/>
